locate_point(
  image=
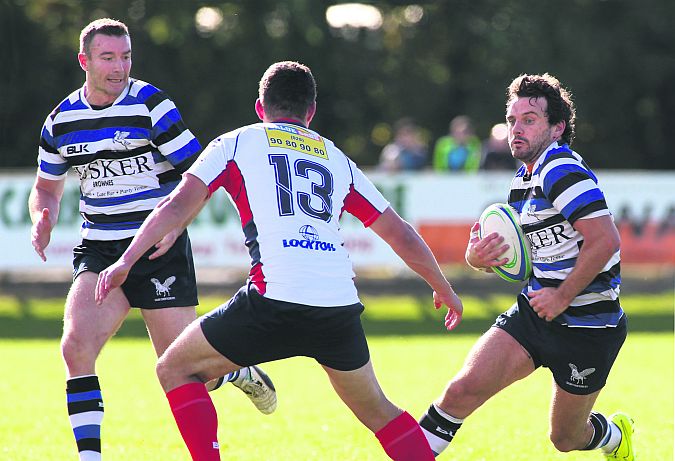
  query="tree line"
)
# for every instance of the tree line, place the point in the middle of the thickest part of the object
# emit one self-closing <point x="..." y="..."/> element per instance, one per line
<point x="429" y="61"/>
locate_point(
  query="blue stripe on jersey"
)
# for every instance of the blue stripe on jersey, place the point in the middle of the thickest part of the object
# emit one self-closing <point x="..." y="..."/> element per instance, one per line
<point x="518" y="205"/>
<point x="540" y="203"/>
<point x="46" y="135"/>
<point x="533" y="205"/>
<point x="603" y="285"/>
<point x="593" y="195"/>
<point x="91" y="431"/>
<point x="557" y="152"/>
<point x="559" y="172"/>
<point x="556" y="266"/>
<point x="184" y="152"/>
<point x="81" y="396"/>
<point x="532" y="284"/>
<point x="112" y="226"/>
<point x="166" y="122"/>
<point x="158" y="157"/>
<point x="66" y="105"/>
<point x="599" y="320"/>
<point x="145" y="92"/>
<point x="161" y="191"/>
<point x="56" y="169"/>
<point x="97" y="135"/>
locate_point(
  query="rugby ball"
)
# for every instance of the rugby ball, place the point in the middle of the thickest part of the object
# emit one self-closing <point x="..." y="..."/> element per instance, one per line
<point x="505" y="220"/>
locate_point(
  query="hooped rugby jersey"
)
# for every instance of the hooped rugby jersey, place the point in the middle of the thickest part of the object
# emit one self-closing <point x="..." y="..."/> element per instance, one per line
<point x="128" y="156"/>
<point x="560" y="190"/>
<point x="290" y="186"/>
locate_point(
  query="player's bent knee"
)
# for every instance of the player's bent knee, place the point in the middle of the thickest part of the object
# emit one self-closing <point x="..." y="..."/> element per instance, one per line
<point x="465" y="389"/>
<point x="170" y="373"/>
<point x="563" y="443"/>
<point x="76" y="354"/>
<point x="164" y="371"/>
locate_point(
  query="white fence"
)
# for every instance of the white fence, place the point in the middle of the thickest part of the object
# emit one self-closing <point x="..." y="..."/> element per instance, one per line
<point x="442" y="207"/>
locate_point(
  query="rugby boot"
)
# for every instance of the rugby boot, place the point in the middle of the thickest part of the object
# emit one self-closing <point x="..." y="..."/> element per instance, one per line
<point x="624" y="451"/>
<point x="259" y="388"/>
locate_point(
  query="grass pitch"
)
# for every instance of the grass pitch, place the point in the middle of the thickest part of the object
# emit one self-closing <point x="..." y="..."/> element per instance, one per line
<point x="311" y="423"/>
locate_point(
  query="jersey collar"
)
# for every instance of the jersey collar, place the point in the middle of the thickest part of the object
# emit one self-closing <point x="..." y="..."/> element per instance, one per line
<point x="291" y="121"/>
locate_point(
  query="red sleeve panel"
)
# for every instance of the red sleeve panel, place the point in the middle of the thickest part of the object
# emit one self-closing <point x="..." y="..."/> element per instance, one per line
<point x="357" y="205"/>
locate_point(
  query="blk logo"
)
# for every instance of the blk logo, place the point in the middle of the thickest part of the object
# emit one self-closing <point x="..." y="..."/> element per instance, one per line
<point x="77" y="149"/>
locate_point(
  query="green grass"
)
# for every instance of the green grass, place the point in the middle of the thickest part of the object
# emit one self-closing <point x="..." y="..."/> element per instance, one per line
<point x="413" y="365"/>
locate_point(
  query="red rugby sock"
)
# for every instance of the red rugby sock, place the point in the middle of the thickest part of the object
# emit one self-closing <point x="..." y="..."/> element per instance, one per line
<point x="403" y="440"/>
<point x="197" y="420"/>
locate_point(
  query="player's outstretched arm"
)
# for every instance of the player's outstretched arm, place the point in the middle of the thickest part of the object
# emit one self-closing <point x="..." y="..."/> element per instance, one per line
<point x="414" y="251"/>
<point x="43" y="206"/>
<point x="169" y="239"/>
<point x="174" y="213"/>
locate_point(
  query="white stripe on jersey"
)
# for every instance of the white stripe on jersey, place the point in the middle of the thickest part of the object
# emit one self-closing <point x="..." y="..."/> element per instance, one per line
<point x="112" y="111"/>
<point x="590" y="298"/>
<point x="48" y="157"/>
<point x="127" y="207"/>
<point x="555" y="163"/>
<point x="176" y="143"/>
<point x="161" y="110"/>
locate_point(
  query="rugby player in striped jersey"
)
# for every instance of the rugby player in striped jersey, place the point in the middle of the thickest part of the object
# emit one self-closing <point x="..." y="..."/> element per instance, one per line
<point x="128" y="144"/>
<point x="568" y="317"/>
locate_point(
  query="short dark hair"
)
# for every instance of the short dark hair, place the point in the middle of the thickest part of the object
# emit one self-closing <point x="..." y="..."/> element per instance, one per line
<point x="560" y="106"/>
<point x="287" y="89"/>
<point x="105" y="26"/>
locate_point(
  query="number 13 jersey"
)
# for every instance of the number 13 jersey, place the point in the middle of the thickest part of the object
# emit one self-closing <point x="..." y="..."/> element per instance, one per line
<point x="290" y="186"/>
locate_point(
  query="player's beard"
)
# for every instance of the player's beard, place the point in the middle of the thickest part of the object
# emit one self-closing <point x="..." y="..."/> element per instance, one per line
<point x="530" y="153"/>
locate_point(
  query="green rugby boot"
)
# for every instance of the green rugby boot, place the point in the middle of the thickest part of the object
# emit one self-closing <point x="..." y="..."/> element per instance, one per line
<point x="624" y="452"/>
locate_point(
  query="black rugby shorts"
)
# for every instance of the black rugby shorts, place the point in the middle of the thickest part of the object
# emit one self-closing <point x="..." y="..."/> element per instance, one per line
<point x="251" y="329"/>
<point x="579" y="358"/>
<point x="168" y="281"/>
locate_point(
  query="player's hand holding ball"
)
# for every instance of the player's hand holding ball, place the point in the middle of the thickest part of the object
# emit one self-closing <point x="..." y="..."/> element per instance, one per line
<point x="498" y="244"/>
<point x="482" y="253"/>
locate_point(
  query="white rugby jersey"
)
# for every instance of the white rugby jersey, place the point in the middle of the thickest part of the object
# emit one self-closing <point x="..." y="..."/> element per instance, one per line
<point x="290" y="186"/>
<point x="128" y="156"/>
<point x="560" y="190"/>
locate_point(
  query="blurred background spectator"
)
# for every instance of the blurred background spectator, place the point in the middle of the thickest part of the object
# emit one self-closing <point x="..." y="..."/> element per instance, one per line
<point x="407" y="151"/>
<point x="496" y="153"/>
<point x="460" y="149"/>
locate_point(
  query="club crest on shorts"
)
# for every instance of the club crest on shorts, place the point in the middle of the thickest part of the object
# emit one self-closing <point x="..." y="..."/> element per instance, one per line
<point x="577" y="378"/>
<point x="163" y="290"/>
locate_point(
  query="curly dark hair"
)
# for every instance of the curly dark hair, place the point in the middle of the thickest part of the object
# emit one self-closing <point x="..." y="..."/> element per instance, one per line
<point x="287" y="88"/>
<point x="560" y="106"/>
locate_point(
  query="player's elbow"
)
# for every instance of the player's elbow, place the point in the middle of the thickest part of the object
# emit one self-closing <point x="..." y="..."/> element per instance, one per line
<point x="615" y="242"/>
<point x="172" y="209"/>
<point x="611" y="243"/>
<point x="406" y="237"/>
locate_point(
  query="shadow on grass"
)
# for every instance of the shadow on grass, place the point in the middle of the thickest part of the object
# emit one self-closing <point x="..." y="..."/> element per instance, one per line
<point x="28" y="325"/>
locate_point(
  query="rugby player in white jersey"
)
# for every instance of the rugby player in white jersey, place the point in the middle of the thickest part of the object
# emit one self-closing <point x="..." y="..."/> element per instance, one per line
<point x="289" y="185"/>
<point x="568" y="317"/>
<point x="128" y="144"/>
